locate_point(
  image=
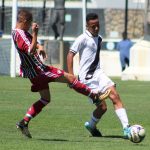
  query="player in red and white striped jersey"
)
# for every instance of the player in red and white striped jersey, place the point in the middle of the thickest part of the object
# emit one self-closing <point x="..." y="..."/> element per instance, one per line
<point x="38" y="73"/>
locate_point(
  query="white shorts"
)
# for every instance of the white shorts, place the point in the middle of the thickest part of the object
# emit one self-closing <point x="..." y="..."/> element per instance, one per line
<point x="99" y="82"/>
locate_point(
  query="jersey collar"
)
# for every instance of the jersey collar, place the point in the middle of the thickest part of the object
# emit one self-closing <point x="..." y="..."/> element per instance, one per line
<point x="89" y="34"/>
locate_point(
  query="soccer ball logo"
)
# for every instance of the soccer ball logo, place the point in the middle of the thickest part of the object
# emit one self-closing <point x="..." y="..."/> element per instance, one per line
<point x="136" y="134"/>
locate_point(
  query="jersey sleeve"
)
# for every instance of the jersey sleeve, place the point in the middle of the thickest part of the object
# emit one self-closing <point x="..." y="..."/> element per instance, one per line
<point x="78" y="44"/>
<point x="23" y="42"/>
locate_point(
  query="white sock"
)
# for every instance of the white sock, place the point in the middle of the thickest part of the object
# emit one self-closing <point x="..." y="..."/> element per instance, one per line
<point x="122" y="115"/>
<point x="93" y="121"/>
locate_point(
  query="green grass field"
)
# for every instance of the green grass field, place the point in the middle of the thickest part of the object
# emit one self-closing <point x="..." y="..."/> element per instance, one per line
<point x="61" y="124"/>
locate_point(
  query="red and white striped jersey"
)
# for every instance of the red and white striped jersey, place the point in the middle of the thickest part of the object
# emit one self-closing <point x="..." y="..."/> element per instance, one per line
<point x="31" y="65"/>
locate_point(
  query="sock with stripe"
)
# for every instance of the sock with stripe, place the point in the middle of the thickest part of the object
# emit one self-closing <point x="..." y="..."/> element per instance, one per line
<point x="35" y="109"/>
<point x="93" y="122"/>
<point x="82" y="88"/>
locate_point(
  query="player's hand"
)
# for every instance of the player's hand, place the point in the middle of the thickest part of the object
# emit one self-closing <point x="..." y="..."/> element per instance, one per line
<point x="35" y="28"/>
<point x="43" y="54"/>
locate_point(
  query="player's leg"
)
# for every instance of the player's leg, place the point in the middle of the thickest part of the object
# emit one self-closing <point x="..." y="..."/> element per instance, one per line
<point x="95" y="118"/>
<point x="101" y="106"/>
<point x="104" y="84"/>
<point x="127" y="61"/>
<point x="122" y="61"/>
<point x="98" y="113"/>
<point x="81" y="88"/>
<point x="119" y="109"/>
<point x="35" y="109"/>
<point x="56" y="75"/>
<point x="96" y="84"/>
<point x="75" y="84"/>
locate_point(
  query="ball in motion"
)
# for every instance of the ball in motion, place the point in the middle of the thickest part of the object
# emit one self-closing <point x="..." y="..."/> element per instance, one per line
<point x="137" y="133"/>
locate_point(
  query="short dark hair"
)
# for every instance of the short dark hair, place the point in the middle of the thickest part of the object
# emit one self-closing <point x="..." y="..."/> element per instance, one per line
<point x="91" y="16"/>
<point x="24" y="15"/>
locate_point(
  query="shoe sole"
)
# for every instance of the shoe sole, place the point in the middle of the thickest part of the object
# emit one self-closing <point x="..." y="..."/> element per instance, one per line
<point x="105" y="95"/>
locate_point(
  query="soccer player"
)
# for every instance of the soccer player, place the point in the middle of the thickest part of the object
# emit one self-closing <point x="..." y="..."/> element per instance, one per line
<point x="38" y="73"/>
<point x="88" y="46"/>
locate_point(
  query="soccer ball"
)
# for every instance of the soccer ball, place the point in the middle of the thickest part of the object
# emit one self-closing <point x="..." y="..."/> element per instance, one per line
<point x="137" y="133"/>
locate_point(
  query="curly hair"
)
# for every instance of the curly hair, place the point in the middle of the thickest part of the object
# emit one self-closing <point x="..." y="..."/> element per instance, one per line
<point x="24" y="15"/>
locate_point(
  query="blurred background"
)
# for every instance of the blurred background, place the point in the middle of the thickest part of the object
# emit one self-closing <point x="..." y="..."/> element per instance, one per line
<point x="116" y="16"/>
<point x="111" y="13"/>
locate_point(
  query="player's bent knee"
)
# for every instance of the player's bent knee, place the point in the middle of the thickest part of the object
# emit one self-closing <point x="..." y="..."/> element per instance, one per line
<point x="115" y="98"/>
<point x="45" y="101"/>
<point x="102" y="107"/>
<point x="114" y="95"/>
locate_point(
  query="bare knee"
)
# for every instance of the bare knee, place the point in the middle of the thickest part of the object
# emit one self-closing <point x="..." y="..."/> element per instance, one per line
<point x="45" y="95"/>
<point x="115" y="98"/>
<point x="102" y="107"/>
<point x="46" y="99"/>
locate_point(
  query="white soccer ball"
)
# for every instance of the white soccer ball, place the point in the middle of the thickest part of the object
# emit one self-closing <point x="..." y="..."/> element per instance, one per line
<point x="137" y="133"/>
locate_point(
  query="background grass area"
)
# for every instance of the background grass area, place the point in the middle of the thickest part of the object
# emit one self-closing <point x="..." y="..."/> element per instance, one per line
<point x="61" y="124"/>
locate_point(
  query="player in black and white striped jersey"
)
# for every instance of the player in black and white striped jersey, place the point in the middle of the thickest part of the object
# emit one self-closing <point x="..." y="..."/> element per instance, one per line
<point x="88" y="46"/>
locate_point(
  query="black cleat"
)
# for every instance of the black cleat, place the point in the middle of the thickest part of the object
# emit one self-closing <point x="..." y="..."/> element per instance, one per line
<point x="94" y="131"/>
<point x="23" y="127"/>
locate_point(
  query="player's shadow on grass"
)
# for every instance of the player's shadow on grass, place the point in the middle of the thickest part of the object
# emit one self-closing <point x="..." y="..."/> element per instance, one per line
<point x="57" y="140"/>
<point x="113" y="136"/>
<point x="64" y="140"/>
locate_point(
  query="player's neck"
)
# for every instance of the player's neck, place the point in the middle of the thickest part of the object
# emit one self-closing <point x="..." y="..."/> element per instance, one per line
<point x="20" y="26"/>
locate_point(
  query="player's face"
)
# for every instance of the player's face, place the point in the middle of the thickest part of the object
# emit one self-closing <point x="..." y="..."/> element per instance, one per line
<point x="93" y="27"/>
<point x="28" y="24"/>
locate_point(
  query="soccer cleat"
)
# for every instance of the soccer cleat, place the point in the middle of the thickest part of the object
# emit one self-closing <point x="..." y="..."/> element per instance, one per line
<point x="105" y="95"/>
<point x="126" y="132"/>
<point x="94" y="131"/>
<point x="23" y="127"/>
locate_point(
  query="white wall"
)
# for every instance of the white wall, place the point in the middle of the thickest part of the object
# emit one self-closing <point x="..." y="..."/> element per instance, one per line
<point x="117" y="4"/>
<point x="140" y="62"/>
<point x="120" y="4"/>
